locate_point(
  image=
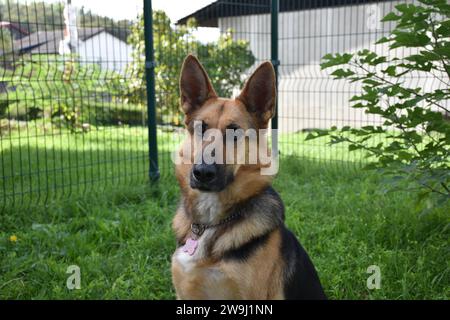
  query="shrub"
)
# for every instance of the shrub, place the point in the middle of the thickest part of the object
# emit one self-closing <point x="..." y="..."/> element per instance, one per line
<point x="58" y="88"/>
<point x="416" y="131"/>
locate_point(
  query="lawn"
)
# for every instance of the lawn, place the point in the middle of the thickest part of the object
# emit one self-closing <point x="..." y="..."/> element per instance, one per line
<point x="115" y="226"/>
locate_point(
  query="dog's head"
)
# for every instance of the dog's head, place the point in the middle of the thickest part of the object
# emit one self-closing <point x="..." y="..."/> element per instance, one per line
<point x="214" y="122"/>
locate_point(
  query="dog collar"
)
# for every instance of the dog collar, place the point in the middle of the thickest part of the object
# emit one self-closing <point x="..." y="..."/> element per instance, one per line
<point x="199" y="228"/>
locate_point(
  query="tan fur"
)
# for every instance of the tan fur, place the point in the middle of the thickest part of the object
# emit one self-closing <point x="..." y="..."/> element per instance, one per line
<point x="241" y="233"/>
<point x="259" y="278"/>
<point x="205" y="275"/>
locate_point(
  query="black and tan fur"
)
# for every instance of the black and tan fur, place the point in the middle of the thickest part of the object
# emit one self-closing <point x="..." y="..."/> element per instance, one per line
<point x="253" y="256"/>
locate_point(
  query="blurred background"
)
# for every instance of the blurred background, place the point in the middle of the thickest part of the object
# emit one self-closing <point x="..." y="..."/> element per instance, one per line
<point x="84" y="136"/>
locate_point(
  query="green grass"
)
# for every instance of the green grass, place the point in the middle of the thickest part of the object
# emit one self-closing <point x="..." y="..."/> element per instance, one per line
<point x="119" y="233"/>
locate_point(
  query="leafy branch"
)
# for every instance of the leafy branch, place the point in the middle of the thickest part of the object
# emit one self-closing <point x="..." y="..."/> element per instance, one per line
<point x="415" y="134"/>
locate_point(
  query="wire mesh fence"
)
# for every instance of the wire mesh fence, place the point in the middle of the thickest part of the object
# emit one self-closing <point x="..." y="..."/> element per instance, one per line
<point x="309" y="97"/>
<point x="73" y="94"/>
<point x="68" y="123"/>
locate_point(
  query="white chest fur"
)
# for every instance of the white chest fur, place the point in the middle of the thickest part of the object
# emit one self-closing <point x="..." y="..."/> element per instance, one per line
<point x="208" y="207"/>
<point x="210" y="281"/>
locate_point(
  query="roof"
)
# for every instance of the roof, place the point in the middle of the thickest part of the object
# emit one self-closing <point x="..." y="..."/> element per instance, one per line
<point x="13" y="27"/>
<point x="47" y="42"/>
<point x="208" y="16"/>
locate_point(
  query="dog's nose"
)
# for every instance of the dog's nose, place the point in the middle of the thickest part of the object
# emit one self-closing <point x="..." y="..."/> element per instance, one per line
<point x="205" y="172"/>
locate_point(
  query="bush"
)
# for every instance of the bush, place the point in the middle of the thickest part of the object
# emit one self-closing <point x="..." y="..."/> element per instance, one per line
<point x="416" y="131"/>
<point x="58" y="88"/>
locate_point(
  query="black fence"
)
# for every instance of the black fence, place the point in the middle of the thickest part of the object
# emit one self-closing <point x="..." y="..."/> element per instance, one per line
<point x="74" y="100"/>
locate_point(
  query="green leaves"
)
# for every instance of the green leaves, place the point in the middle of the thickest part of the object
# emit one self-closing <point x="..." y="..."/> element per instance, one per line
<point x="442" y="50"/>
<point x="341" y="73"/>
<point x="371" y="58"/>
<point x="444" y="29"/>
<point x="409" y="39"/>
<point x="413" y="145"/>
<point x="335" y="60"/>
<point x="390" y="71"/>
<point x="316" y="134"/>
<point x="391" y="16"/>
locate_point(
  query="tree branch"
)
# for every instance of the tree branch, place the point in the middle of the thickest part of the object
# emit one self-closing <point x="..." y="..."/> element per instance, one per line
<point x="355" y="64"/>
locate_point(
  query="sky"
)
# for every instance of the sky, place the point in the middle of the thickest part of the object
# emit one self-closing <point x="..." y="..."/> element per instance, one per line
<point x="120" y="9"/>
<point x="128" y="9"/>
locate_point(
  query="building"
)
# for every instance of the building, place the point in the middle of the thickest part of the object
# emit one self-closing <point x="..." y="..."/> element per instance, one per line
<point x="16" y="31"/>
<point x="308" y="97"/>
<point x="93" y="45"/>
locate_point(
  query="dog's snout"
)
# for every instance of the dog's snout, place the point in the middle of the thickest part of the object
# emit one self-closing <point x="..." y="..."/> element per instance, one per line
<point x="210" y="177"/>
<point x="205" y="172"/>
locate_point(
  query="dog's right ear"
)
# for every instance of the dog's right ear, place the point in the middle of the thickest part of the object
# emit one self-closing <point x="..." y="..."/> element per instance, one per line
<point x="195" y="86"/>
<point x="259" y="93"/>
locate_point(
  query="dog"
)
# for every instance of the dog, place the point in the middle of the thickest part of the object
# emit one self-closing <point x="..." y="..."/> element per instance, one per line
<point x="232" y="242"/>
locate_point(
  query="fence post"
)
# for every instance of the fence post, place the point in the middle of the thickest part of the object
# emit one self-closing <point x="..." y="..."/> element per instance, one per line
<point x="150" y="79"/>
<point x="275" y="6"/>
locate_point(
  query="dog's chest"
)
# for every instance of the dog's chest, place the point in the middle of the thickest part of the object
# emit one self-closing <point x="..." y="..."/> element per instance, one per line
<point x="195" y="278"/>
<point x="189" y="261"/>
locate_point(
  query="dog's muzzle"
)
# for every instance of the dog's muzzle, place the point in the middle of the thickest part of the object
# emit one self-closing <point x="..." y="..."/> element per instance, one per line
<point x="210" y="177"/>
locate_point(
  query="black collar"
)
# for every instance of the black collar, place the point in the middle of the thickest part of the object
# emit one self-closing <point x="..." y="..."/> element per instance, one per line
<point x="199" y="228"/>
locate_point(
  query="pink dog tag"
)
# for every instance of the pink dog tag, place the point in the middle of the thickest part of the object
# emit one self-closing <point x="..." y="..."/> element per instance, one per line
<point x="190" y="246"/>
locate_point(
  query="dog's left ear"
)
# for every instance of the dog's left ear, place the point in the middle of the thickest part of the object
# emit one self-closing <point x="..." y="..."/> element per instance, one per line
<point x="259" y="93"/>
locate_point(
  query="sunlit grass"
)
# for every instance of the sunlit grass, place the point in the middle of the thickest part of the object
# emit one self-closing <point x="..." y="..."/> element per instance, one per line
<point x="102" y="214"/>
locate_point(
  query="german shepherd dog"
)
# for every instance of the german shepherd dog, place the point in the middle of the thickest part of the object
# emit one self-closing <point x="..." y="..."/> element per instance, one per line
<point x="229" y="226"/>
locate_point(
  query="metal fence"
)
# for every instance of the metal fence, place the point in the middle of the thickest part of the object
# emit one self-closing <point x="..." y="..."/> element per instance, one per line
<point x="88" y="102"/>
<point x="68" y="124"/>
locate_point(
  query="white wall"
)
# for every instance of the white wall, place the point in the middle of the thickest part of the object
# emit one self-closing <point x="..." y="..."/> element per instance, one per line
<point x="109" y="52"/>
<point x="308" y="97"/>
